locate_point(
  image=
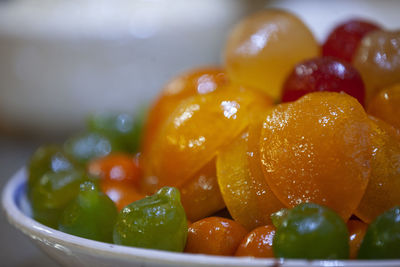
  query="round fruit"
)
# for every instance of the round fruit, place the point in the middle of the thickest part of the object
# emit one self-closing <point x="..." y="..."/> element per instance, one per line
<point x="258" y="243"/>
<point x="215" y="236"/>
<point x="378" y="61"/>
<point x="386" y="106"/>
<point x="345" y="38"/>
<point x="263" y="48"/>
<point x="382" y="240"/>
<point x="383" y="188"/>
<point x="323" y="74"/>
<point x="318" y="149"/>
<point x="311" y="231"/>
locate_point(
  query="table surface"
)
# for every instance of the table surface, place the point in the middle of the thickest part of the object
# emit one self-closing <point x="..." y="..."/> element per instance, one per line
<point x="17" y="249"/>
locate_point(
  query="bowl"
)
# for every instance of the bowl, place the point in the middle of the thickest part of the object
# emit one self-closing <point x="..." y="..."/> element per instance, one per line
<point x="69" y="250"/>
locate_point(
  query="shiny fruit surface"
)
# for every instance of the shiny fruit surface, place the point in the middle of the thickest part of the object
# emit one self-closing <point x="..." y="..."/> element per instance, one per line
<point x="382" y="239"/>
<point x="200" y="195"/>
<point x="91" y="214"/>
<point x="357" y="230"/>
<point x="383" y="189"/>
<point x="386" y="106"/>
<point x="121" y="193"/>
<point x="214" y="236"/>
<point x="311" y="231"/>
<point x="116" y="167"/>
<point x="378" y="61"/>
<point x="257" y="243"/>
<point x="157" y="222"/>
<point x="345" y="38"/>
<point x="195" y="82"/>
<point x="248" y="197"/>
<point x="323" y="74"/>
<point x="194" y="132"/>
<point x="318" y="149"/>
<point x="263" y="48"/>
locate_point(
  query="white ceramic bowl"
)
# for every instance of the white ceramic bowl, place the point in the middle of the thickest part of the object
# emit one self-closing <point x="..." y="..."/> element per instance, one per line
<point x="71" y="250"/>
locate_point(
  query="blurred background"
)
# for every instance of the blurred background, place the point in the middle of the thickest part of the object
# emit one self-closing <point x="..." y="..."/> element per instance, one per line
<point x="61" y="60"/>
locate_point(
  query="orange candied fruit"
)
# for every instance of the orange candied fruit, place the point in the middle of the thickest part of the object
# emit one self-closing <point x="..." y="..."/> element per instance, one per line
<point x="214" y="236"/>
<point x="195" y="131"/>
<point x="263" y="48"/>
<point x="247" y="196"/>
<point x="121" y="193"/>
<point x="383" y="189"/>
<point x="357" y="230"/>
<point x="378" y="61"/>
<point x="195" y="82"/>
<point x="257" y="243"/>
<point x="116" y="167"/>
<point x="200" y="196"/>
<point x="318" y="149"/>
<point x="119" y="175"/>
<point x="386" y="106"/>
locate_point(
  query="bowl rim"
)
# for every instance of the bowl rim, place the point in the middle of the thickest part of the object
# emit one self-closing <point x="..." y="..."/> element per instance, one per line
<point x="51" y="236"/>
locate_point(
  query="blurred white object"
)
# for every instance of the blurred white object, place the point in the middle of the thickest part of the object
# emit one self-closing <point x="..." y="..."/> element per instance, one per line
<point x="60" y="60"/>
<point x="63" y="59"/>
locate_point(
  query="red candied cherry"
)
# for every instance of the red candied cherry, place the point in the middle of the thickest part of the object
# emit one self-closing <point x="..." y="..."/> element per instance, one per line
<point x="343" y="41"/>
<point x="323" y="74"/>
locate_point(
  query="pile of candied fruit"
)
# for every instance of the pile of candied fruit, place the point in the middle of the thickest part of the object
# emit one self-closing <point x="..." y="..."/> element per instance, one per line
<point x="291" y="149"/>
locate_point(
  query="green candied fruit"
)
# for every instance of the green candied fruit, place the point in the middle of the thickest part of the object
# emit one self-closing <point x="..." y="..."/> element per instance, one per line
<point x="45" y="159"/>
<point x="311" y="231"/>
<point x="382" y="239"/>
<point x="156" y="222"/>
<point x="278" y="217"/>
<point x="87" y="146"/>
<point x="123" y="129"/>
<point x="91" y="215"/>
<point x="52" y="193"/>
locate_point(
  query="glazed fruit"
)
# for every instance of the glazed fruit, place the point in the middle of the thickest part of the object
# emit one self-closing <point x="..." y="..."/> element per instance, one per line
<point x="91" y="215"/>
<point x="188" y="141"/>
<point x="318" y="149"/>
<point x="258" y="243"/>
<point x="382" y="240"/>
<point x="383" y="189"/>
<point x="262" y="49"/>
<point x="119" y="175"/>
<point x="266" y="200"/>
<point x="87" y="146"/>
<point x="378" y="61"/>
<point x="386" y="106"/>
<point x="236" y="184"/>
<point x="157" y="222"/>
<point x="345" y="38"/>
<point x="247" y="197"/>
<point x="201" y="196"/>
<point x="118" y="167"/>
<point x="45" y="159"/>
<point x="357" y="231"/>
<point x="299" y="179"/>
<point x="215" y="236"/>
<point x="311" y="231"/>
<point x="122" y="129"/>
<point x="323" y="74"/>
<point x="52" y="193"/>
<point x="121" y="193"/>
<point x="195" y="82"/>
